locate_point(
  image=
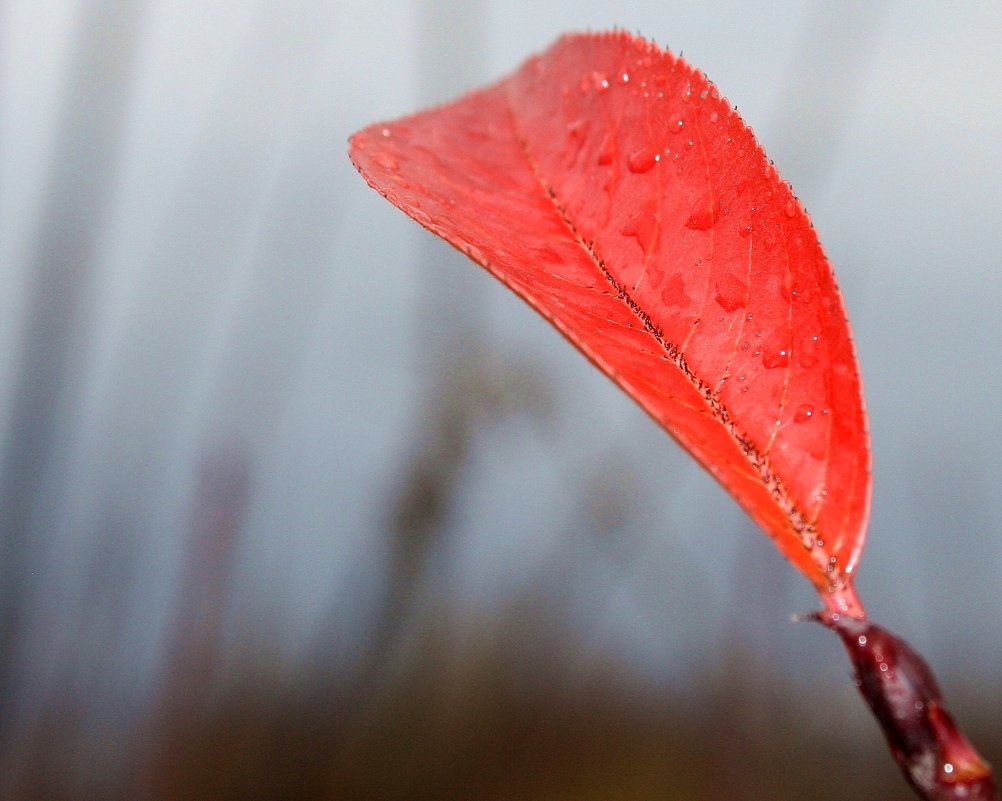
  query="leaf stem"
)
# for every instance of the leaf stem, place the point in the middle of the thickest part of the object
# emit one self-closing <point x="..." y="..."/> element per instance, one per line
<point x="841" y="599"/>
<point x="938" y="761"/>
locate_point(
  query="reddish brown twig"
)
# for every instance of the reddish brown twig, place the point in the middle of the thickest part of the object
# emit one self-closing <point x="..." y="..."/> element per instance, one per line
<point x="935" y="756"/>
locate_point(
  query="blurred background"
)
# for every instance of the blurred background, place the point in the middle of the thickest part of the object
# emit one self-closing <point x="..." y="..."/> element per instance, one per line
<point x="298" y="503"/>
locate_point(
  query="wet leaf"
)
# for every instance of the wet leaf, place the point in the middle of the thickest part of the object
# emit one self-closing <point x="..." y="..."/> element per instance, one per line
<point x="609" y="185"/>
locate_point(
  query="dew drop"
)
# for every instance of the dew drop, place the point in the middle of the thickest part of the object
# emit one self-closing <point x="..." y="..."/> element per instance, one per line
<point x="642" y="160"/>
<point x="776" y="358"/>
<point x="607" y="152"/>
<point x="386" y="132"/>
<point x="804" y="413"/>
<point x="862" y="639"/>
<point x="474" y="253"/>
<point x="640" y="227"/>
<point x="714" y="116"/>
<point x="732" y="293"/>
<point x="385" y="161"/>
<point x="808" y="350"/>
<point x="673" y="292"/>
<point x="744" y="231"/>
<point x="803" y="294"/>
<point x="577" y="129"/>
<point x="624" y="78"/>
<point x="576" y="134"/>
<point x="701" y="219"/>
<point x="419" y="215"/>
<point x="600" y="82"/>
<point x="676" y="123"/>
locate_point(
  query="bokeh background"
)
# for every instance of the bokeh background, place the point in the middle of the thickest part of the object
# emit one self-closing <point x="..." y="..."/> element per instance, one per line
<point x="298" y="503"/>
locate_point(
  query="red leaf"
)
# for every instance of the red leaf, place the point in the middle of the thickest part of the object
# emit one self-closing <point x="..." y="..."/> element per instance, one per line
<point x="609" y="185"/>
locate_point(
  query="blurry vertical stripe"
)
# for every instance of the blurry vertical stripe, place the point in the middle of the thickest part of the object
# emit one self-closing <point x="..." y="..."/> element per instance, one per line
<point x="60" y="272"/>
<point x="104" y="441"/>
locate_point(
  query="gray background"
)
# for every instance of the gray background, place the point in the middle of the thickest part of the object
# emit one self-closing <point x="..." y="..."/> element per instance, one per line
<point x="205" y="315"/>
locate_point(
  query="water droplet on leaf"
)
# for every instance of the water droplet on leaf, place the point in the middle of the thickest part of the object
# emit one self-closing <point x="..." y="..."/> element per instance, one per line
<point x="802" y="294"/>
<point x="773" y="358"/>
<point x="673" y="292"/>
<point x="732" y="293"/>
<point x="385" y="161"/>
<point x="577" y="132"/>
<point x="701" y="219"/>
<point x="607" y="151"/>
<point x="474" y="253"/>
<point x="808" y="350"/>
<point x="642" y="160"/>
